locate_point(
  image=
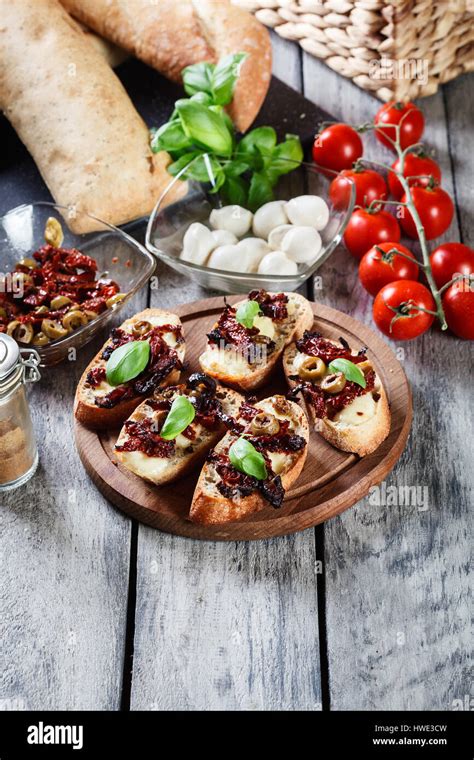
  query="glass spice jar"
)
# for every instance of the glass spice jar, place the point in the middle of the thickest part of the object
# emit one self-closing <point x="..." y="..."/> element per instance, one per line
<point x="18" y="450"/>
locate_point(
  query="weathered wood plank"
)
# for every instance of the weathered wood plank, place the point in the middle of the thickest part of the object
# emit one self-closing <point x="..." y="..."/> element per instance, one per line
<point x="65" y="564"/>
<point x="396" y="574"/>
<point x="231" y="627"/>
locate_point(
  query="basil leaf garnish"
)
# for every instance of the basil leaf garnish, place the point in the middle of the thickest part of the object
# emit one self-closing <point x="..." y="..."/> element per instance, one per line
<point x="170" y="137"/>
<point x="198" y="78"/>
<point x="127" y="362"/>
<point x="350" y="371"/>
<point x="181" y="415"/>
<point x="287" y="156"/>
<point x="261" y="191"/>
<point x="247" y="312"/>
<point x="205" y="127"/>
<point x="224" y="78"/>
<point x="246" y="459"/>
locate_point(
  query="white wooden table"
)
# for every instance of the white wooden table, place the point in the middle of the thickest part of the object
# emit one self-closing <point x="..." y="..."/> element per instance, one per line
<point x="366" y="612"/>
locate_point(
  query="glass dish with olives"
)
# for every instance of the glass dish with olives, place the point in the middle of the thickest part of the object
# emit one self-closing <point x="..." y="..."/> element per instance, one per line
<point x="58" y="289"/>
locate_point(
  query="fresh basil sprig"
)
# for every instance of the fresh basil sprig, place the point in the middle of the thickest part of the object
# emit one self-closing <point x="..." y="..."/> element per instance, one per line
<point x="181" y="415"/>
<point x="246" y="459"/>
<point x="127" y="362"/>
<point x="247" y="312"/>
<point x="201" y="135"/>
<point x="350" y="371"/>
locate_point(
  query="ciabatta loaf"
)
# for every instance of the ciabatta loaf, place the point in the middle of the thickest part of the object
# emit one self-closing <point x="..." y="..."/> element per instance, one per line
<point x="142" y="451"/>
<point x="245" y="358"/>
<point x="223" y="494"/>
<point x="170" y="35"/>
<point x="351" y="418"/>
<point x="100" y="406"/>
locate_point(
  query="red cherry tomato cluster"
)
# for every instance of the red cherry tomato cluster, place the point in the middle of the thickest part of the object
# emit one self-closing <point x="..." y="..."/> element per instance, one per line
<point x="404" y="308"/>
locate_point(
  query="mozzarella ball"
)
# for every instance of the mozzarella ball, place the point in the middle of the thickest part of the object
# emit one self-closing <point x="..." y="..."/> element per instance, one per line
<point x="251" y="251"/>
<point x="277" y="262"/>
<point x="268" y="217"/>
<point x="276" y="236"/>
<point x="308" y="211"/>
<point x="233" y="219"/>
<point x="197" y="244"/>
<point x="226" y="257"/>
<point x="223" y="237"/>
<point x="302" y="244"/>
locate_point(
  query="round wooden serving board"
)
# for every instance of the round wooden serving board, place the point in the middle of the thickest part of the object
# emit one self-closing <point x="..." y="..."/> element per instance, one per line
<point x="331" y="482"/>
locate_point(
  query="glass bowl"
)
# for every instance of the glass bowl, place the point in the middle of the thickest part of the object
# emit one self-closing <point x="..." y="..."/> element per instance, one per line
<point x="168" y="225"/>
<point x="118" y="256"/>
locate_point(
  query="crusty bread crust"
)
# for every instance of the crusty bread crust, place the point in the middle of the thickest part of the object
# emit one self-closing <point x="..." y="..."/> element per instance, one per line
<point x="170" y="35"/>
<point x="179" y="467"/>
<point x="97" y="418"/>
<point x="213" y="509"/>
<point x="256" y="378"/>
<point x="359" y="439"/>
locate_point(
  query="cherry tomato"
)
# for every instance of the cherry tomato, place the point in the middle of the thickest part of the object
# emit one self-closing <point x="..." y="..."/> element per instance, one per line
<point x="400" y="299"/>
<point x="370" y="186"/>
<point x="367" y="228"/>
<point x="436" y="211"/>
<point x="336" y="148"/>
<point x="416" y="165"/>
<point x="408" y="115"/>
<point x="379" y="267"/>
<point x="450" y="259"/>
<point x="458" y="303"/>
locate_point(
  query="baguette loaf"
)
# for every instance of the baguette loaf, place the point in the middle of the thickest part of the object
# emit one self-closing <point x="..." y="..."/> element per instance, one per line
<point x="184" y="454"/>
<point x="75" y="118"/>
<point x="97" y="417"/>
<point x="361" y="426"/>
<point x="211" y="507"/>
<point x="169" y="35"/>
<point x="229" y="367"/>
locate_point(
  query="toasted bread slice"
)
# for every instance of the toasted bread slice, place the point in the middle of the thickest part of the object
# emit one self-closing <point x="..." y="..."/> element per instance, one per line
<point x="211" y="507"/>
<point x="89" y="406"/>
<point x="360" y="427"/>
<point x="230" y="366"/>
<point x="184" y="454"/>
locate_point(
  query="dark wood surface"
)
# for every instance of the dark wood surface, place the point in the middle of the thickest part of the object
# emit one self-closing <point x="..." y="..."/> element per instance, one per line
<point x="368" y="611"/>
<point x="331" y="482"/>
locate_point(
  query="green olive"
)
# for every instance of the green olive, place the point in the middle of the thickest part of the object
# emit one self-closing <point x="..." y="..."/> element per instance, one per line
<point x="365" y="367"/>
<point x="141" y="328"/>
<point x="12" y="327"/>
<point x="312" y="368"/>
<point x="24" y="333"/>
<point x="53" y="330"/>
<point x="90" y="315"/>
<point x="30" y="263"/>
<point x="53" y="233"/>
<point x="74" y="320"/>
<point x="265" y="424"/>
<point x="118" y="298"/>
<point x="334" y="384"/>
<point x="40" y="339"/>
<point x="42" y="310"/>
<point x="60" y="302"/>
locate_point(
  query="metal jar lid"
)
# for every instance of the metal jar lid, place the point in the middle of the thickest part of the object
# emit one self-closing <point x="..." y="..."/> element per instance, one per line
<point x="16" y="364"/>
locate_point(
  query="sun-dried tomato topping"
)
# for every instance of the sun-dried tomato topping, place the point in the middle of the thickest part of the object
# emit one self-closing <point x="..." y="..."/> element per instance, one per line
<point x="327" y="406"/>
<point x="247" y="411"/>
<point x="96" y="376"/>
<point x="313" y="344"/>
<point x="142" y="436"/>
<point x="273" y="306"/>
<point x="229" y="332"/>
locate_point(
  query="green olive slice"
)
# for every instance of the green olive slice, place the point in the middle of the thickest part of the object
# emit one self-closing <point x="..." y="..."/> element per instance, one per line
<point x="60" y="302"/>
<point x="265" y="424"/>
<point x="12" y="326"/>
<point x="42" y="310"/>
<point x="334" y="384"/>
<point x="40" y="339"/>
<point x="312" y="368"/>
<point x="118" y="298"/>
<point x="53" y="330"/>
<point x="73" y="320"/>
<point x="30" y="263"/>
<point x="24" y="333"/>
<point x="91" y="315"/>
<point x="141" y="328"/>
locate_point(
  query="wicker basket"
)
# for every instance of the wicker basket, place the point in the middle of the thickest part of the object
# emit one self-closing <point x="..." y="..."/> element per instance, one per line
<point x="396" y="49"/>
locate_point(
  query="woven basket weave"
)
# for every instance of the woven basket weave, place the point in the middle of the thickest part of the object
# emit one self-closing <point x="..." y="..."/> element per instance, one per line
<point x="396" y="49"/>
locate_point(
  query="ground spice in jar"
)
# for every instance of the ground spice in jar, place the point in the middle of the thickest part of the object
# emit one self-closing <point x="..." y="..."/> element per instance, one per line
<point x="15" y="453"/>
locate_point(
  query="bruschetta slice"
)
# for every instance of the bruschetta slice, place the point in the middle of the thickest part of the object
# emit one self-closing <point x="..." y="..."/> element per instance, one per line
<point x="348" y="408"/>
<point x="141" y="449"/>
<point x="249" y="338"/>
<point x="274" y="429"/>
<point x="98" y="404"/>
